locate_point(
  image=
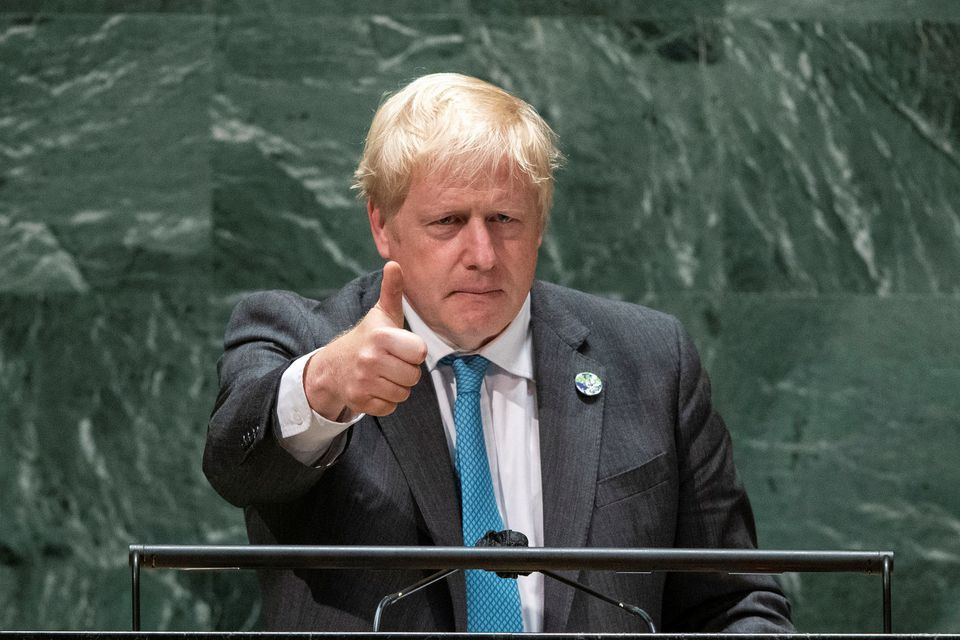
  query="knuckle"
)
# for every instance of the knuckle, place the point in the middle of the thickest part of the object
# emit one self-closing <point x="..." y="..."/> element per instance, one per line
<point x="384" y="408"/>
<point x="367" y="358"/>
<point x="351" y="395"/>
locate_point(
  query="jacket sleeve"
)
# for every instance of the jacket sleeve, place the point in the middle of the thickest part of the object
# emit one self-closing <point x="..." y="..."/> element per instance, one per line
<point x="714" y="512"/>
<point x="243" y="459"/>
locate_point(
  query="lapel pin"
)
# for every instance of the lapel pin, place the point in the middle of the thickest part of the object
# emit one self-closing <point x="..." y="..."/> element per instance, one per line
<point x="589" y="384"/>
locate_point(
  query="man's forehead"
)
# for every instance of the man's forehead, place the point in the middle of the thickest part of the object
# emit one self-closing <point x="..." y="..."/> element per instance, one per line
<point x="491" y="182"/>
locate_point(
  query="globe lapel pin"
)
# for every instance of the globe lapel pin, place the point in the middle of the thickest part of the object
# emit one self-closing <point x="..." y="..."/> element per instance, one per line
<point x="589" y="384"/>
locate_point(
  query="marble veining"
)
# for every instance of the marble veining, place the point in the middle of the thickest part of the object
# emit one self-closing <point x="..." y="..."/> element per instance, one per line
<point x="785" y="178"/>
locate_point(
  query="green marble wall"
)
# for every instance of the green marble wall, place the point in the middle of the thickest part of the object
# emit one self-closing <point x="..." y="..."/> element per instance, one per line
<point x="784" y="176"/>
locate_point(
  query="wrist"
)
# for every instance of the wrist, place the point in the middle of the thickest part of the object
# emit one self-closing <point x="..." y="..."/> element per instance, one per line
<point x="319" y="390"/>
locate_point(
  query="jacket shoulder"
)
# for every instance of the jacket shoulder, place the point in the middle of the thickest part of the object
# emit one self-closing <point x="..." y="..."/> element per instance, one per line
<point x="324" y="317"/>
<point x="599" y="314"/>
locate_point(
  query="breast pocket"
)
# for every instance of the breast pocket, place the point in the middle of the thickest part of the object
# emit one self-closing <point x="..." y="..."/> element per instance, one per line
<point x="634" y="481"/>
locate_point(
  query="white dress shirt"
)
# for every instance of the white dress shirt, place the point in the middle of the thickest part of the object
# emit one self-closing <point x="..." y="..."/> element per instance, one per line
<point x="510" y="427"/>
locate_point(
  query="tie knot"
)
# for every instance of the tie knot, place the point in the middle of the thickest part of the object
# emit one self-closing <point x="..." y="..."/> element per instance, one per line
<point x="468" y="371"/>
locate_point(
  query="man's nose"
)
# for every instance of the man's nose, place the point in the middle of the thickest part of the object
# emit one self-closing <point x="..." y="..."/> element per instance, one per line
<point x="479" y="250"/>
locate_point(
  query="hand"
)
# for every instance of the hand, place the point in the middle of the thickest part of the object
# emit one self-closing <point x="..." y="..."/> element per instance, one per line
<point x="371" y="368"/>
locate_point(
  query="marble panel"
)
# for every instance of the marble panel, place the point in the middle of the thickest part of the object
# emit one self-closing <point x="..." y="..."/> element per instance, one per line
<point x="840" y="143"/>
<point x="288" y="130"/>
<point x="367" y="8"/>
<point x="103" y="151"/>
<point x="844" y="413"/>
<point x="607" y="8"/>
<point x="107" y="399"/>
<point x="108" y="6"/>
<point x="856" y="11"/>
<point x="635" y="209"/>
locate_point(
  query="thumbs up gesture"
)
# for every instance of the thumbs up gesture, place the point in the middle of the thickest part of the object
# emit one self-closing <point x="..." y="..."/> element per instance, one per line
<point x="391" y="294"/>
<point x="372" y="367"/>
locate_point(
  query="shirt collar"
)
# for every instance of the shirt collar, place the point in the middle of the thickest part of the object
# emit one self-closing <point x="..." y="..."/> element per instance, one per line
<point x="512" y="350"/>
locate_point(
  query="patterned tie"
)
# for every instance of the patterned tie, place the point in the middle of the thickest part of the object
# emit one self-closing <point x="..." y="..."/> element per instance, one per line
<point x="493" y="603"/>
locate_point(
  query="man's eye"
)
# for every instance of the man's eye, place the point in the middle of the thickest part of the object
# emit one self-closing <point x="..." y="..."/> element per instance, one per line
<point x="447" y="220"/>
<point x="502" y="217"/>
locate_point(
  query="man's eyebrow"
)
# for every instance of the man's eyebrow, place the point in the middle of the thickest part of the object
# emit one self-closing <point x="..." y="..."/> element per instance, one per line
<point x="439" y="210"/>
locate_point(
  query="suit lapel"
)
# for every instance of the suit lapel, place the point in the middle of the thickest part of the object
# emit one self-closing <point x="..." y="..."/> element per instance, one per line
<point x="414" y="432"/>
<point x="570" y="430"/>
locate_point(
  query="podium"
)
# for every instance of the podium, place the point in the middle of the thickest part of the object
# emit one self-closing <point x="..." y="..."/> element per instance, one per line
<point x="226" y="557"/>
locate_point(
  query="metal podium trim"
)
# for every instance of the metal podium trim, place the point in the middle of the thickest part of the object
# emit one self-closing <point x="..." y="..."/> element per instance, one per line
<point x="221" y="557"/>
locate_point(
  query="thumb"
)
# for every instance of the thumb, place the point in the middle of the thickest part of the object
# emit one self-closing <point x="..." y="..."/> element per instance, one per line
<point x="391" y="293"/>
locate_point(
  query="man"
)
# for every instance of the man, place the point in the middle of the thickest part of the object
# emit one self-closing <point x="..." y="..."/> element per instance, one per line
<point x="349" y="421"/>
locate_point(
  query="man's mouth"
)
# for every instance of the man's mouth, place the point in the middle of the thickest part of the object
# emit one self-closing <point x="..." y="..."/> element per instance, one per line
<point x="474" y="291"/>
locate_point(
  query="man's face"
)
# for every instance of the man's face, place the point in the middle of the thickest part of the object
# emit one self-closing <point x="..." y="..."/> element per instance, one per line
<point x="468" y="250"/>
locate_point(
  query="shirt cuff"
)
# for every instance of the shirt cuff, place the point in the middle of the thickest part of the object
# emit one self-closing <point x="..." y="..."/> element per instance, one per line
<point x="304" y="433"/>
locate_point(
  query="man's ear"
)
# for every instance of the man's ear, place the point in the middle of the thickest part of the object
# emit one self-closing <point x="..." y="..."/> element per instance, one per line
<point x="378" y="228"/>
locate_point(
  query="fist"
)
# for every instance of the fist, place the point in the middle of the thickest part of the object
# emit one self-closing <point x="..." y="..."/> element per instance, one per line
<point x="371" y="368"/>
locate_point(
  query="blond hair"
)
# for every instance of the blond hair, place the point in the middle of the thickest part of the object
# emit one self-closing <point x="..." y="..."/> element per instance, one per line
<point x="454" y="123"/>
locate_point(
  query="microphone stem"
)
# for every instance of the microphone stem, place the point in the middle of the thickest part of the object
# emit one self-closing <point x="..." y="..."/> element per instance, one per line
<point x="389" y="599"/>
<point x="629" y="608"/>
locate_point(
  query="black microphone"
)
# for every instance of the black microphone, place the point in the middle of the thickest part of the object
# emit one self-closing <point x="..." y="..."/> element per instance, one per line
<point x="507" y="538"/>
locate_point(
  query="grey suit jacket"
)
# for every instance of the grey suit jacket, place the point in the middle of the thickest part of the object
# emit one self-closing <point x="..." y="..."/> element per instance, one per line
<point x="646" y="463"/>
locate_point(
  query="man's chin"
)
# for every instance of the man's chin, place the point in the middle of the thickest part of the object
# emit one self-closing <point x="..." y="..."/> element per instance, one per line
<point x="471" y="336"/>
<point x="469" y="321"/>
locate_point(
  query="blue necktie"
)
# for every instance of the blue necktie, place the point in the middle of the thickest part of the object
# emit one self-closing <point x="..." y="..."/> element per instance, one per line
<point x="493" y="603"/>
